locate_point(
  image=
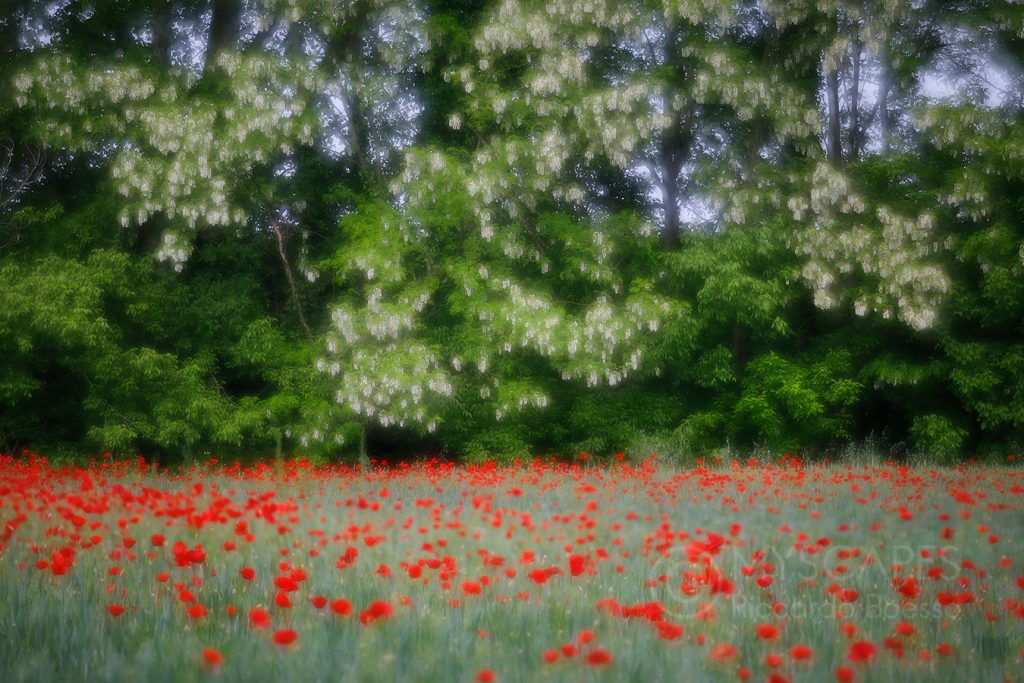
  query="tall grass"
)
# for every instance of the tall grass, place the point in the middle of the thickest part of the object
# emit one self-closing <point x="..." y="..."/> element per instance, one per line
<point x="649" y="534"/>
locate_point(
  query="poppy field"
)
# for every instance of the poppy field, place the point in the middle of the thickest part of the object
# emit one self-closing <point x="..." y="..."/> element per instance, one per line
<point x="540" y="571"/>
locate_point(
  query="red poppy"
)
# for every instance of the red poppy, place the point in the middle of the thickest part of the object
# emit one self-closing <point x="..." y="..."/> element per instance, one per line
<point x="212" y="657"/>
<point x="668" y="630"/>
<point x="767" y="631"/>
<point x="905" y="628"/>
<point x="286" y="583"/>
<point x="341" y="606"/>
<point x="318" y="601"/>
<point x="378" y="609"/>
<point x="285" y="636"/>
<point x="198" y="611"/>
<point x="862" y="651"/>
<point x="723" y="651"/>
<point x="259" y="617"/>
<point x="599" y="657"/>
<point x="486" y="676"/>
<point x="248" y="573"/>
<point x="800" y="652"/>
<point x="115" y="610"/>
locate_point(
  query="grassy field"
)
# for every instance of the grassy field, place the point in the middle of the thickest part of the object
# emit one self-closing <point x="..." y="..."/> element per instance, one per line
<point x="542" y="572"/>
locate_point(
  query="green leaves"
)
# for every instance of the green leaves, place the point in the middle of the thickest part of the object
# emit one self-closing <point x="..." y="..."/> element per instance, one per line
<point x="790" y="405"/>
<point x="500" y="226"/>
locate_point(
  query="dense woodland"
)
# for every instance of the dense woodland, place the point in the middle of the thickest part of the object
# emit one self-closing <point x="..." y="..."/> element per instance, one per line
<point x="493" y="228"/>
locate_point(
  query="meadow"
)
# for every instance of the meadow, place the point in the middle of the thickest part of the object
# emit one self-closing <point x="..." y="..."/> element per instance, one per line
<point x="540" y="571"/>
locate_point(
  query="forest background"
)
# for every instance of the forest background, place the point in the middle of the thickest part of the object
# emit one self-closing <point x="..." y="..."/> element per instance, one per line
<point x="491" y="229"/>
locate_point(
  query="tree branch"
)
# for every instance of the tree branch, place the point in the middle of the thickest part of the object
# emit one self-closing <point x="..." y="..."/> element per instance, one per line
<point x="291" y="278"/>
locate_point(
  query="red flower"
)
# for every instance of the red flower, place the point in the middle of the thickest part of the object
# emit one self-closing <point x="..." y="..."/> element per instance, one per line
<point x="259" y="617"/>
<point x="197" y="611"/>
<point x="285" y="636"/>
<point x="550" y="656"/>
<point x="669" y="631"/>
<point x="286" y="583"/>
<point x="378" y="609"/>
<point x="248" y="573"/>
<point x="341" y="606"/>
<point x="723" y="651"/>
<point x="800" y="652"/>
<point x="767" y="631"/>
<point x="844" y="674"/>
<point x="486" y="676"/>
<point x="599" y="657"/>
<point x="905" y="628"/>
<point x="115" y="610"/>
<point x="212" y="657"/>
<point x="862" y="651"/>
<point x="318" y="601"/>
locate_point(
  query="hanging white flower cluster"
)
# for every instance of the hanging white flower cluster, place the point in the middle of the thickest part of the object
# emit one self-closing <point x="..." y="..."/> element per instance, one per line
<point x="174" y="249"/>
<point x="394" y="384"/>
<point x="848" y="236"/>
<point x="175" y="153"/>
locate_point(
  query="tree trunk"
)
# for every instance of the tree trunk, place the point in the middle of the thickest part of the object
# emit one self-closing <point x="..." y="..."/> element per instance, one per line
<point x="291" y="278"/>
<point x="224" y="27"/>
<point x="163" y="32"/>
<point x="346" y="46"/>
<point x="739" y="349"/>
<point x="854" y="133"/>
<point x="674" y="149"/>
<point x="883" y="106"/>
<point x="670" y="201"/>
<point x="835" y="145"/>
<point x="364" y="460"/>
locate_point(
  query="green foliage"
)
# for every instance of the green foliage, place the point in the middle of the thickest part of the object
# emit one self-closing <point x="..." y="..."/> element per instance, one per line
<point x="609" y="420"/>
<point x="792" y="405"/>
<point x="494" y="228"/>
<point x="502" y="444"/>
<point x="937" y="436"/>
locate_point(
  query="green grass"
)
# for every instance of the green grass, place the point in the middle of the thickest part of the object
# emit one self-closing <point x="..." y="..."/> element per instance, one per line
<point x="637" y="525"/>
